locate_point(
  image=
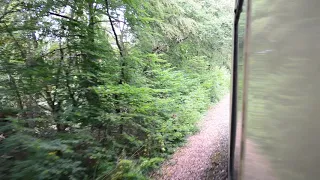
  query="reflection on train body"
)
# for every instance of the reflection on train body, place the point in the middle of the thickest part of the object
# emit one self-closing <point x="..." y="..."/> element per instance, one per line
<point x="282" y="122"/>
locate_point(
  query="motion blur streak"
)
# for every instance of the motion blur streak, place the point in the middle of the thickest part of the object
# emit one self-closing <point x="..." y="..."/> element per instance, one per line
<point x="282" y="123"/>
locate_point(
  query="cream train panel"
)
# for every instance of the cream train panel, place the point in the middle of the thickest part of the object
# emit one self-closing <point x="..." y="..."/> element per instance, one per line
<point x="282" y="122"/>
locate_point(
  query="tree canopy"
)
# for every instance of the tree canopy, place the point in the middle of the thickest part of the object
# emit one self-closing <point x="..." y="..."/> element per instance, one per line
<point x="106" y="89"/>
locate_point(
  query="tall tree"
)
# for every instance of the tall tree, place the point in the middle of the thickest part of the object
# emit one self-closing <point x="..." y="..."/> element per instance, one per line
<point x="105" y="89"/>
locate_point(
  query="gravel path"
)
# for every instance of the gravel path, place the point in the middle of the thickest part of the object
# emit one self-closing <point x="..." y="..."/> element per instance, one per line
<point x="205" y="155"/>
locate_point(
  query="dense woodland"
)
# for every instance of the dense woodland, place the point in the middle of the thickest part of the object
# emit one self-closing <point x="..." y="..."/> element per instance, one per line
<point x="106" y="89"/>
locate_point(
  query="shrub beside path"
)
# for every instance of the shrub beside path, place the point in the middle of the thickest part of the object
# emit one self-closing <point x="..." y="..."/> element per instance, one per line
<point x="205" y="155"/>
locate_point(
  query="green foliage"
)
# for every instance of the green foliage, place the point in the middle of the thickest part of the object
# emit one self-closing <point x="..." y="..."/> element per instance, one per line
<point x="97" y="89"/>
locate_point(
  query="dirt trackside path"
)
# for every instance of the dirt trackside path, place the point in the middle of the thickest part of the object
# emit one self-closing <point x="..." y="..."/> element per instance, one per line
<point x="205" y="154"/>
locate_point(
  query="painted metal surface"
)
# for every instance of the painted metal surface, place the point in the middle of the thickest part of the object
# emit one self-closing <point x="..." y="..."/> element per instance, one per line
<point x="282" y="125"/>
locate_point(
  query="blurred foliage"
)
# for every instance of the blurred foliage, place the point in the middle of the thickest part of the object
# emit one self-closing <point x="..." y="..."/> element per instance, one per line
<point x="98" y="89"/>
